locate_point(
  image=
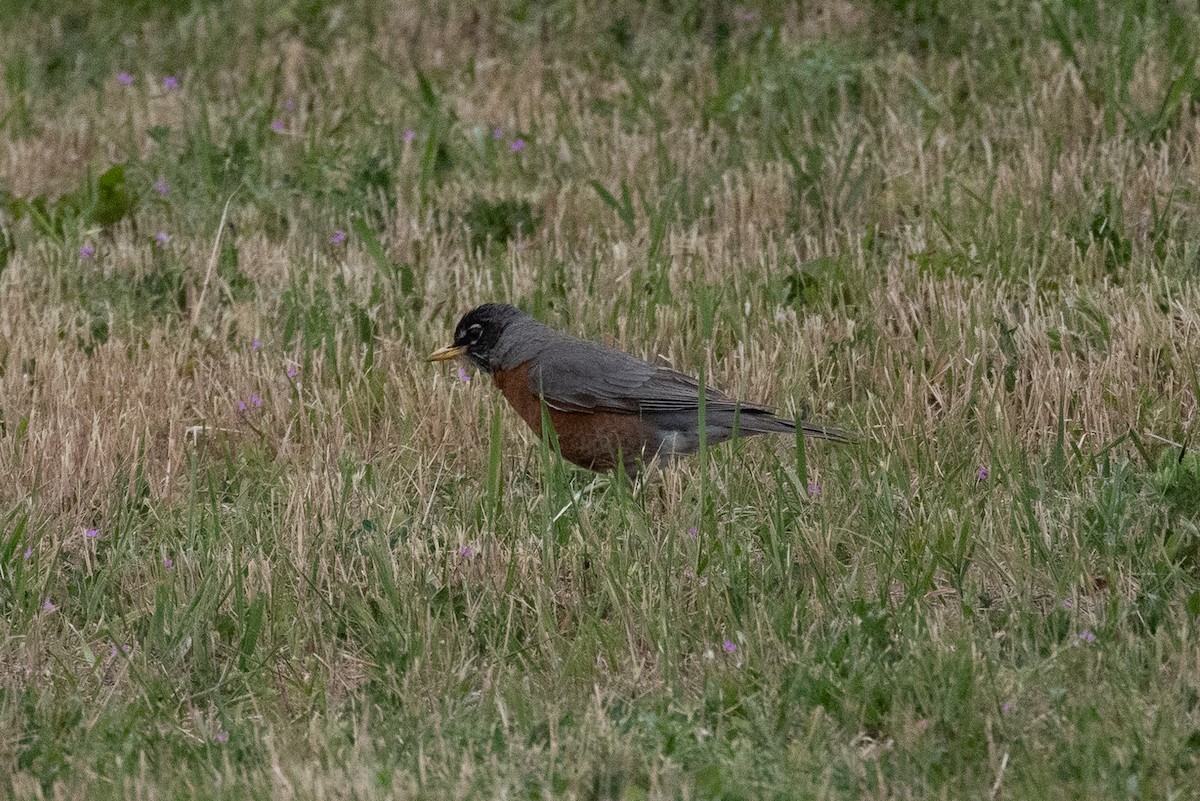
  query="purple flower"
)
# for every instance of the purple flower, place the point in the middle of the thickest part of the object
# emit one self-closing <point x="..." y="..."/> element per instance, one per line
<point x="1066" y="603"/>
<point x="465" y="552"/>
<point x="49" y="605"/>
<point x="92" y="533"/>
<point x="255" y="344"/>
<point x="1086" y="636"/>
<point x="112" y="650"/>
<point x="747" y="16"/>
<point x="126" y="648"/>
<point x="293" y="371"/>
<point x="170" y="83"/>
<point x="410" y="135"/>
<point x="730" y="646"/>
<point x="693" y="532"/>
<point x="277" y="126"/>
<point x="124" y="78"/>
<point x="241" y="406"/>
<point x="162" y="238"/>
<point x="1008" y="706"/>
<point x="255" y="401"/>
<point x="160" y="186"/>
<point x="29" y="552"/>
<point x="87" y="251"/>
<point x="222" y="737"/>
<point x="814" y="489"/>
<point x="517" y="146"/>
<point x="497" y="133"/>
<point x="289" y="104"/>
<point x="168" y="562"/>
<point x="464" y="376"/>
<point x="982" y="474"/>
<point x="338" y="238"/>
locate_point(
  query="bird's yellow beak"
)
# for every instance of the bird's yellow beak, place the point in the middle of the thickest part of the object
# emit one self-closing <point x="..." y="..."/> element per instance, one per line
<point x="447" y="353"/>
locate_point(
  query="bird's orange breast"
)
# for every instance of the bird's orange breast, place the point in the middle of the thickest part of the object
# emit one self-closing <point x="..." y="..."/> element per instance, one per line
<point x="596" y="440"/>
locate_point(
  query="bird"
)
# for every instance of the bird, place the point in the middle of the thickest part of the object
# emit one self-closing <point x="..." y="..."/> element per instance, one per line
<point x="608" y="408"/>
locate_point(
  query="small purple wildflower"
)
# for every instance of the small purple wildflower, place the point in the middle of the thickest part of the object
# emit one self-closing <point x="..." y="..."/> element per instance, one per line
<point x="410" y="135"/>
<point x="170" y="83"/>
<point x="92" y="533"/>
<point x="1086" y="636"/>
<point x="112" y="650"/>
<point x="1008" y="706"/>
<point x="464" y="376"/>
<point x="517" y="146"/>
<point x="87" y="251"/>
<point x="277" y="126"/>
<point x="49" y="605"/>
<point x="161" y="187"/>
<point x="255" y="344"/>
<point x="730" y="646"/>
<point x="497" y="133"/>
<point x="289" y="104"/>
<point x="255" y="401"/>
<point x="693" y="532"/>
<point x="293" y="371"/>
<point x="1067" y="603"/>
<point x="241" y="406"/>
<point x="126" y="648"/>
<point x="982" y="474"/>
<point x="465" y="552"/>
<point x="124" y="78"/>
<point x="222" y="737"/>
<point x="162" y="238"/>
<point x="814" y="489"/>
<point x="747" y="16"/>
<point x="338" y="238"/>
<point x="168" y="562"/>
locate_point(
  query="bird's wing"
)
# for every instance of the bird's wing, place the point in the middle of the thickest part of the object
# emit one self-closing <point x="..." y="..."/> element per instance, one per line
<point x="588" y="377"/>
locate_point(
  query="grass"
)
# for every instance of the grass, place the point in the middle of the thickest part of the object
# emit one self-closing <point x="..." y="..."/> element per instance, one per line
<point x="327" y="569"/>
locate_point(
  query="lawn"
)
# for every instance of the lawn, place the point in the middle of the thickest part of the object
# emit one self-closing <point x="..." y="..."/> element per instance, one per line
<point x="253" y="545"/>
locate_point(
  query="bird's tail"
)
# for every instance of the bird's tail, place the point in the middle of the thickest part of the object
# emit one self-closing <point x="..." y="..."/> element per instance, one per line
<point x="831" y="433"/>
<point x="764" y="423"/>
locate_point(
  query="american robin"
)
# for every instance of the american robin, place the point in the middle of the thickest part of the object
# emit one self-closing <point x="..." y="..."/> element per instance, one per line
<point x="607" y="407"/>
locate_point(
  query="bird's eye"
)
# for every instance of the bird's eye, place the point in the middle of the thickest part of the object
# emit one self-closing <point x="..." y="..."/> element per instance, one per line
<point x="474" y="332"/>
